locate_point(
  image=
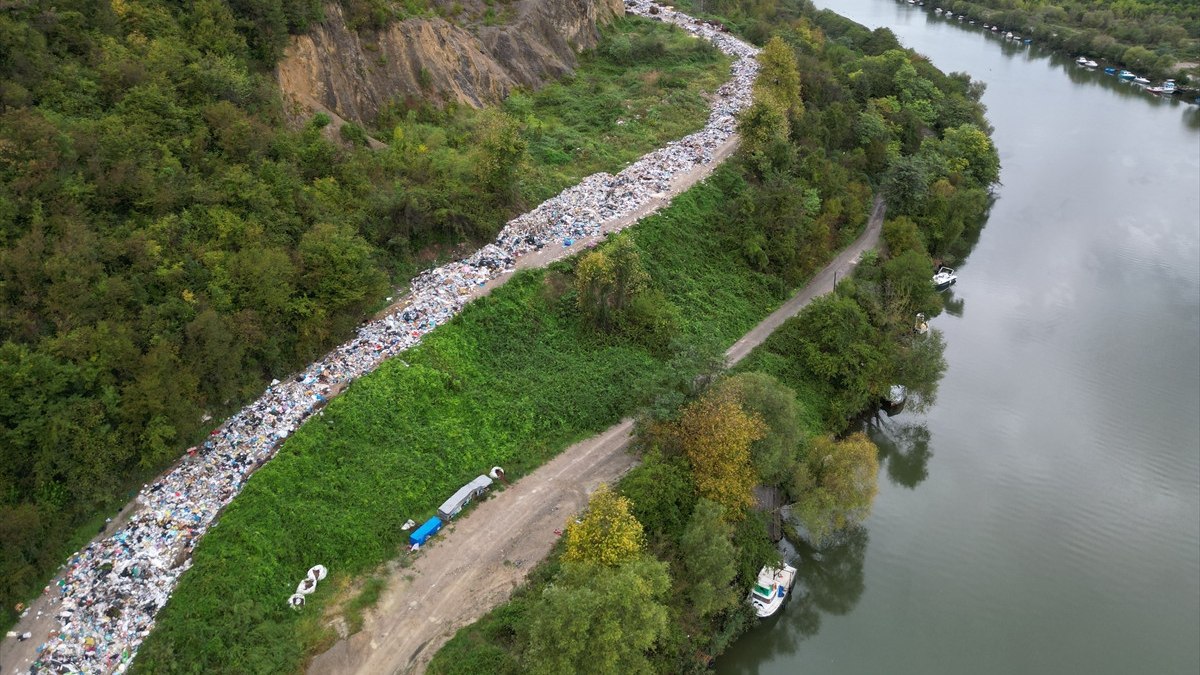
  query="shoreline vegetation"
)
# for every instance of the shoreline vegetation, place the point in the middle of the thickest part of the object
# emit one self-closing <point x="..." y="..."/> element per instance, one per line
<point x="653" y="576"/>
<point x="164" y="238"/>
<point x="1157" y="38"/>
<point x="558" y="354"/>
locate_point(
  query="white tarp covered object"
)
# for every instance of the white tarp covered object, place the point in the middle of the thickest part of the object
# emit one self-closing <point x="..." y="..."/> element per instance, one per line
<point x="455" y="503"/>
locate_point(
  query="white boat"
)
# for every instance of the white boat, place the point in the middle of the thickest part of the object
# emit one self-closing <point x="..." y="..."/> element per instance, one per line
<point x="1008" y="35"/>
<point x="1082" y="60"/>
<point x="1091" y="64"/>
<point x="1167" y="88"/>
<point x="945" y="278"/>
<point x="771" y="589"/>
<point x="1125" y="75"/>
<point x="1140" y="80"/>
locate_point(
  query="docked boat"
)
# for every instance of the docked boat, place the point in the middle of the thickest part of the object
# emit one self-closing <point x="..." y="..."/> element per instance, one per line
<point x="1125" y="75"/>
<point x="771" y="589"/>
<point x="945" y="278"/>
<point x="1090" y="64"/>
<point x="1167" y="88"/>
<point x="1140" y="80"/>
<point x="1082" y="60"/>
<point x="1110" y="71"/>
<point x="1008" y="35"/>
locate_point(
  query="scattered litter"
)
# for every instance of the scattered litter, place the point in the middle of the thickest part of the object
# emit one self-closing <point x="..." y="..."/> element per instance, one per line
<point x="112" y="589"/>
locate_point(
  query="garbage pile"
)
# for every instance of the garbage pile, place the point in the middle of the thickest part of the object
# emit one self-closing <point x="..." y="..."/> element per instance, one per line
<point x="112" y="590"/>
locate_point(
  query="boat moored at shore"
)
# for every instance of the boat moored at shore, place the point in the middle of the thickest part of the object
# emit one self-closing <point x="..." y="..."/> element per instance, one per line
<point x="771" y="588"/>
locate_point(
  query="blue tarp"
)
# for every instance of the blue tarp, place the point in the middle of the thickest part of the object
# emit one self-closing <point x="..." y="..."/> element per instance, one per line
<point x="424" y="532"/>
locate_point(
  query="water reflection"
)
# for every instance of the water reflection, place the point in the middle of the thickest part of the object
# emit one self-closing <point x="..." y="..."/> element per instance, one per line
<point x="903" y="450"/>
<point x="953" y="305"/>
<point x="830" y="581"/>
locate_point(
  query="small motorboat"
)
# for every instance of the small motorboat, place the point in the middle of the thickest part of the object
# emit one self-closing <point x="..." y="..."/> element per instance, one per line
<point x="945" y="278"/>
<point x="894" y="402"/>
<point x="1008" y="35"/>
<point x="1167" y="88"/>
<point x="1082" y="60"/>
<point x="1125" y="75"/>
<point x="1141" y="80"/>
<point x="1110" y="71"/>
<point x="1028" y="41"/>
<point x="771" y="588"/>
<point x="1090" y="64"/>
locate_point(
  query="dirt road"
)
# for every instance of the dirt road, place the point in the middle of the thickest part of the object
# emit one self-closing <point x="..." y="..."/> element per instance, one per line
<point x="485" y="555"/>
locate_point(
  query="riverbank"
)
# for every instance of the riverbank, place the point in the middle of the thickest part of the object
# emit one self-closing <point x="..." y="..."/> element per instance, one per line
<point x="1124" y="37"/>
<point x="487" y="554"/>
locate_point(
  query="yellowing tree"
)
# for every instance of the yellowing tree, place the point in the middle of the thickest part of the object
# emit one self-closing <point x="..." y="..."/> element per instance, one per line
<point x="715" y="434"/>
<point x="607" y="534"/>
<point x="607" y="281"/>
<point x="837" y="484"/>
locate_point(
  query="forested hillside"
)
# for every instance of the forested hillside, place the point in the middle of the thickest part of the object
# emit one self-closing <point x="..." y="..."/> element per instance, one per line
<point x="168" y="245"/>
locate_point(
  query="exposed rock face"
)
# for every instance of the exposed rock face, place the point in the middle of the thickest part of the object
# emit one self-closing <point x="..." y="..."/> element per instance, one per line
<point x="353" y="75"/>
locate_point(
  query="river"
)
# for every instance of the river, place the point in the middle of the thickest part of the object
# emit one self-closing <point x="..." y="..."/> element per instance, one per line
<point x="1044" y="515"/>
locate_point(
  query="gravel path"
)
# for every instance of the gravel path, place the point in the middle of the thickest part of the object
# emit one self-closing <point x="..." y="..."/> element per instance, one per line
<point x="477" y="563"/>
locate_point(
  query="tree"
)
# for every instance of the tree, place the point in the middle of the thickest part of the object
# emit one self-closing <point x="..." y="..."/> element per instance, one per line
<point x="709" y="558"/>
<point x="661" y="494"/>
<point x="901" y="234"/>
<point x="834" y="488"/>
<point x="778" y="80"/>
<point x="597" y="619"/>
<point x="607" y="534"/>
<point x="759" y="394"/>
<point x="715" y="435"/>
<point x="501" y="150"/>
<point x="608" y="280"/>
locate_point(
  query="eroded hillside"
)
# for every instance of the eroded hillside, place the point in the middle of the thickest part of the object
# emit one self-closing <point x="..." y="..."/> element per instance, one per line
<point x="354" y="74"/>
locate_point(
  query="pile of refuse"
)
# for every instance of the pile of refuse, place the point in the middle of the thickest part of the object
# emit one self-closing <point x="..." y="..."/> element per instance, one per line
<point x="111" y="591"/>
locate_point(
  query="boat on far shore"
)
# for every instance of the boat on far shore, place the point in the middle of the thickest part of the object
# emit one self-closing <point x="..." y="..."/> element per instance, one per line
<point x="1140" y="80"/>
<point x="1167" y="88"/>
<point x="1126" y="75"/>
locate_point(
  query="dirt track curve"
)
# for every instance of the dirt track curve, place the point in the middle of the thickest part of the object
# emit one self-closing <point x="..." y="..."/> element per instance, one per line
<point x="478" y="562"/>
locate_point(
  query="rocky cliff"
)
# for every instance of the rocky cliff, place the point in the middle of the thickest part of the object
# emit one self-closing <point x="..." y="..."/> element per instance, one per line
<point x="354" y="74"/>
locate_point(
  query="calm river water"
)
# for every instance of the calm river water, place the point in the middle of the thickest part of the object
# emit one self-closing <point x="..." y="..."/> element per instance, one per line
<point x="1044" y="515"/>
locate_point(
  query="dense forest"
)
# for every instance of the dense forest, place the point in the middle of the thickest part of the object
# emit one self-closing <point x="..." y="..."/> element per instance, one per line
<point x="168" y="245"/>
<point x="663" y="560"/>
<point x="1152" y="37"/>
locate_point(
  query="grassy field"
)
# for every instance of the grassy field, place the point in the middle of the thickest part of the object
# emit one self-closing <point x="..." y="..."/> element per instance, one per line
<point x="512" y="381"/>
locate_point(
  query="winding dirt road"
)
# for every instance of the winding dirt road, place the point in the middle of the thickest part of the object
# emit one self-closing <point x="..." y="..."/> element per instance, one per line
<point x="477" y="563"/>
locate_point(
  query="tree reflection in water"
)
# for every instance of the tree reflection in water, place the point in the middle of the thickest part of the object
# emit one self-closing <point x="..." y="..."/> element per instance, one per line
<point x="904" y="448"/>
<point x="830" y="581"/>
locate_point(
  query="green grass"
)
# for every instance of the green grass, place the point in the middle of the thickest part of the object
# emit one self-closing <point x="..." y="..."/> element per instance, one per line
<point x="641" y="88"/>
<point x="512" y="381"/>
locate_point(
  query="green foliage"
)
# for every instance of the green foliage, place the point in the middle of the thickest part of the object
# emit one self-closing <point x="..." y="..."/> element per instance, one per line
<point x="833" y="347"/>
<point x="661" y="494"/>
<point x="607" y="280"/>
<point x="764" y="396"/>
<point x="709" y="558"/>
<point x="167" y="246"/>
<point x="1149" y="36"/>
<point x="599" y="619"/>
<point x="835" y="487"/>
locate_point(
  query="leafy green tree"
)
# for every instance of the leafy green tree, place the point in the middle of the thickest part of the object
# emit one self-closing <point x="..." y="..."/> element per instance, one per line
<point x="835" y="487"/>
<point x="901" y="235"/>
<point x="661" y="494"/>
<point x="760" y="394"/>
<point x="608" y="279"/>
<point x="607" y="534"/>
<point x="709" y="558"/>
<point x="597" y="619"/>
<point x="778" y="81"/>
